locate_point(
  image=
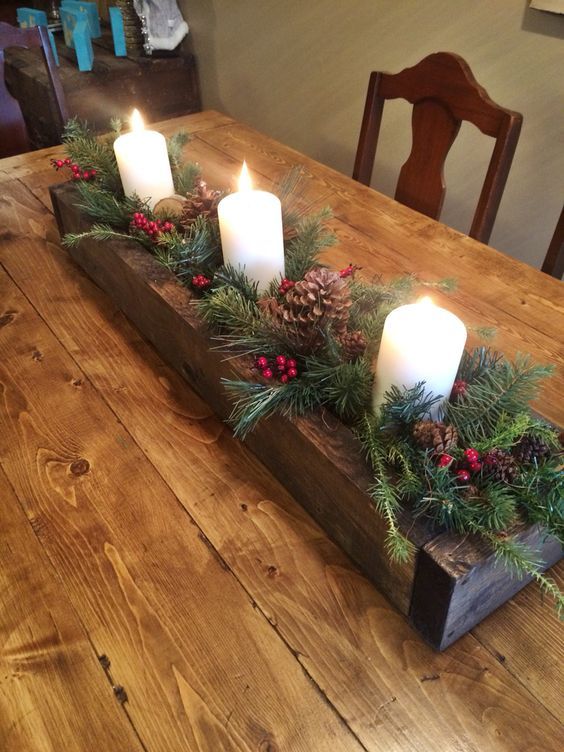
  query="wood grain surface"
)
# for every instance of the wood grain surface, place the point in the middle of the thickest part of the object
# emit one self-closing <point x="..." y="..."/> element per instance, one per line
<point x="229" y="618"/>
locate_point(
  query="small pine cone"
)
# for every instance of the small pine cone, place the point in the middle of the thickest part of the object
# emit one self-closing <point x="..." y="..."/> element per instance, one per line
<point x="353" y="344"/>
<point x="321" y="298"/>
<point x="530" y="449"/>
<point x="472" y="492"/>
<point x="201" y="202"/>
<point x="430" y="434"/>
<point x="500" y="466"/>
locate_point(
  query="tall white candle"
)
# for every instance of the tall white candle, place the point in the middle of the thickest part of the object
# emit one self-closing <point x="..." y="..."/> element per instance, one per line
<point x="420" y="342"/>
<point x="250" y="224"/>
<point x="143" y="163"/>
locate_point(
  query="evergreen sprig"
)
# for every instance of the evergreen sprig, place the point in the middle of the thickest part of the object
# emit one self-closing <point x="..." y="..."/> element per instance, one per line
<point x="498" y="391"/>
<point x="302" y="251"/>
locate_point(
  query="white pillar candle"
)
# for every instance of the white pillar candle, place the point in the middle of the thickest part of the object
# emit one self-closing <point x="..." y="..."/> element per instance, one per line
<point x="143" y="164"/>
<point x="250" y="224"/>
<point x="420" y="342"/>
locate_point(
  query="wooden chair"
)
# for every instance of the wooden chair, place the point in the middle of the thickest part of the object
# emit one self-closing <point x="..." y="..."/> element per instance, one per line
<point x="443" y="92"/>
<point x="14" y="137"/>
<point x="554" y="260"/>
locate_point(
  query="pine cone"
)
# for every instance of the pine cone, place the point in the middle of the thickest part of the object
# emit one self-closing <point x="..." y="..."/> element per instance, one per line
<point x="500" y="466"/>
<point x="530" y="449"/>
<point x="320" y="301"/>
<point x="353" y="344"/>
<point x="201" y="202"/>
<point x="430" y="434"/>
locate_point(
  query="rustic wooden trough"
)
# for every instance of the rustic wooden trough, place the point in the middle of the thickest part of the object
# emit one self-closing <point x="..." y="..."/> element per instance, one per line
<point x="447" y="587"/>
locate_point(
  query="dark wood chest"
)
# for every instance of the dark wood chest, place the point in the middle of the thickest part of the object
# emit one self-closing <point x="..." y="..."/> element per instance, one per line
<point x="160" y="87"/>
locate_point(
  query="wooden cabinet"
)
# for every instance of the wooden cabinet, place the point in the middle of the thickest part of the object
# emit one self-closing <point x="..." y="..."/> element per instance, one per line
<point x="160" y="87"/>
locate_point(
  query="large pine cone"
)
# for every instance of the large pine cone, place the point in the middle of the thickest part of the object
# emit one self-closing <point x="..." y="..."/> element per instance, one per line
<point x="431" y="434"/>
<point x="530" y="449"/>
<point x="202" y="201"/>
<point x="318" y="302"/>
<point x="500" y="466"/>
<point x="353" y="344"/>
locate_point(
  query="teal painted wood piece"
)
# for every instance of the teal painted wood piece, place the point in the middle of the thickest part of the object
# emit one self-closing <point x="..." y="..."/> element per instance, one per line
<point x="77" y="35"/>
<point x="91" y="10"/>
<point x="118" y="34"/>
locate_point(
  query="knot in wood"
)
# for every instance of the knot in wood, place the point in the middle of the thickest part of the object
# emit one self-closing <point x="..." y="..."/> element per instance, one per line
<point x="7" y="318"/>
<point x="80" y="467"/>
<point x="268" y="745"/>
<point x="272" y="571"/>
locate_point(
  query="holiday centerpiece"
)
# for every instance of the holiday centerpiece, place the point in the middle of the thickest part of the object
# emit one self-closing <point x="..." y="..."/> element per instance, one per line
<point x="441" y="444"/>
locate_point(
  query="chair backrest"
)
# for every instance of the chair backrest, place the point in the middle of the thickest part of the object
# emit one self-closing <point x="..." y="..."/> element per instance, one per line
<point x="443" y="92"/>
<point x="14" y="137"/>
<point x="554" y="259"/>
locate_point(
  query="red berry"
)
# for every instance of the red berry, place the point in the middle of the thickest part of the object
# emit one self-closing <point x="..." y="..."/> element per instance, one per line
<point x="75" y="168"/>
<point x="348" y="271"/>
<point x="76" y="176"/>
<point x="267" y="373"/>
<point x="262" y="362"/>
<point x="281" y="360"/>
<point x="86" y="175"/>
<point x="292" y="373"/>
<point x="67" y="161"/>
<point x="459" y="388"/>
<point x="444" y="460"/>
<point x="284" y="378"/>
<point x="471" y="455"/>
<point x="93" y="173"/>
<point x="475" y="467"/>
<point x="291" y="363"/>
<point x="59" y="163"/>
<point x="463" y="475"/>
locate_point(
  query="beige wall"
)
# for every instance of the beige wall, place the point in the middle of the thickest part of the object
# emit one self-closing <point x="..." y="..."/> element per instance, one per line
<point x="298" y="70"/>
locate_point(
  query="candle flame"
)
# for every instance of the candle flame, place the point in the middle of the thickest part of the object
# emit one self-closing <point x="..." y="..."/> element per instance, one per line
<point x="426" y="301"/>
<point x="245" y="179"/>
<point x="136" y="121"/>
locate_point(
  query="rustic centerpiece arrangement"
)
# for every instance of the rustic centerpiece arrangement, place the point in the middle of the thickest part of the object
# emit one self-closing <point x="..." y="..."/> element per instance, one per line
<point x="434" y="476"/>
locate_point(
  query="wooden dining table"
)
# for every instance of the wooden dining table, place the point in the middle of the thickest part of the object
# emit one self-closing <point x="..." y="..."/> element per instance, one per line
<point x="159" y="589"/>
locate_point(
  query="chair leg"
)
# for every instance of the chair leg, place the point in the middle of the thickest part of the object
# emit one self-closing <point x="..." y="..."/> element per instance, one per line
<point x="554" y="261"/>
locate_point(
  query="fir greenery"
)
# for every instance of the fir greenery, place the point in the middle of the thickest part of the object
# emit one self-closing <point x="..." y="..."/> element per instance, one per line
<point x="491" y="415"/>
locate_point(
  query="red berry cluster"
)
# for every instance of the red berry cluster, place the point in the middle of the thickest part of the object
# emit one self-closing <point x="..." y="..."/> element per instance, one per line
<point x="470" y="464"/>
<point x="201" y="282"/>
<point x="77" y="172"/>
<point x="348" y="271"/>
<point x="285" y="285"/>
<point x="285" y="368"/>
<point x="153" y="229"/>
<point x="459" y="389"/>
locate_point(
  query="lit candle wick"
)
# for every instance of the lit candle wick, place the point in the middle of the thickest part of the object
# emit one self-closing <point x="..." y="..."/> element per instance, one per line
<point x="245" y="179"/>
<point x="136" y="121"/>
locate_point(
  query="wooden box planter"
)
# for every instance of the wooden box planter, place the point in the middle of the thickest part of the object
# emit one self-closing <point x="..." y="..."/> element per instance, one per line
<point x="445" y="589"/>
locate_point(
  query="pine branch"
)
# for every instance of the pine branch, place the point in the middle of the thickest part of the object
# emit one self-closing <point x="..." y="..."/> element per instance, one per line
<point x="175" y="147"/>
<point x="104" y="207"/>
<point x="477" y="362"/>
<point x="228" y="310"/>
<point x="384" y="492"/>
<point x="254" y="402"/>
<point x="101" y="233"/>
<point x="346" y="387"/>
<point x="503" y="389"/>
<point x="185" y="178"/>
<point x="523" y="562"/>
<point x="403" y="407"/>
<point x="302" y="252"/>
<point x="229" y="276"/>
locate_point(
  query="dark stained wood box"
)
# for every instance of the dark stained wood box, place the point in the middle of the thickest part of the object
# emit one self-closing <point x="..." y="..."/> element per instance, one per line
<point x="450" y="584"/>
<point x="160" y="87"/>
